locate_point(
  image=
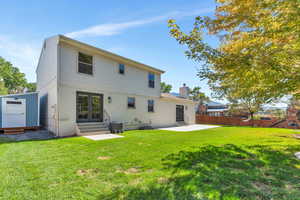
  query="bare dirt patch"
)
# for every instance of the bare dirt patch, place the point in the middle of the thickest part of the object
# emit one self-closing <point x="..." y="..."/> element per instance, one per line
<point x="150" y="170"/>
<point x="261" y="186"/>
<point x="297" y="136"/>
<point x="104" y="158"/>
<point x="162" y="180"/>
<point x="132" y="170"/>
<point x="88" y="172"/>
<point x="135" y="182"/>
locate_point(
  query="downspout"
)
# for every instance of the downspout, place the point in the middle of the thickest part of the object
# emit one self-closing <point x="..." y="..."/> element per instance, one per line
<point x="58" y="82"/>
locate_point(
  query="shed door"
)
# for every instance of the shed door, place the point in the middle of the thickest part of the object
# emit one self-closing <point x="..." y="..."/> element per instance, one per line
<point x="13" y="112"/>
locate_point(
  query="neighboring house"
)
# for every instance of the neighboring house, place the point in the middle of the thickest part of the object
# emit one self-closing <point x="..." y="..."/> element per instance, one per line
<point x="212" y="108"/>
<point x="82" y="86"/>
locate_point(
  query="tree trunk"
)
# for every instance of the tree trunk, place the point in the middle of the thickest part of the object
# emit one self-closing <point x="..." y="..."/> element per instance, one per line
<point x="252" y="118"/>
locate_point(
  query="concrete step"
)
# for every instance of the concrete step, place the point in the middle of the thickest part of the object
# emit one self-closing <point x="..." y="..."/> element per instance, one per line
<point x="93" y="127"/>
<point x="84" y="130"/>
<point x="88" y="124"/>
<point x="91" y="123"/>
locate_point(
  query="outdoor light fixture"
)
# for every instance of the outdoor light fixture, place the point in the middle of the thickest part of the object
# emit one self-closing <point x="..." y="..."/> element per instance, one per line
<point x="109" y="99"/>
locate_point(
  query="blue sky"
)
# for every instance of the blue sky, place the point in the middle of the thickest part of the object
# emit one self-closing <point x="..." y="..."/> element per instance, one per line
<point x="133" y="28"/>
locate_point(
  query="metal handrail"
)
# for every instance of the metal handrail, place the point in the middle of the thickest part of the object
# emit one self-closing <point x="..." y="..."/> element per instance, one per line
<point x="107" y="118"/>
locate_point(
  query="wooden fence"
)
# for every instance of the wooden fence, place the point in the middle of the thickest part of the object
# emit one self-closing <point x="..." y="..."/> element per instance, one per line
<point x="235" y="121"/>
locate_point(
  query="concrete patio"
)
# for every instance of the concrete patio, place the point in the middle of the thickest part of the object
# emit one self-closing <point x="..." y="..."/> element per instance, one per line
<point x="103" y="136"/>
<point x="194" y="127"/>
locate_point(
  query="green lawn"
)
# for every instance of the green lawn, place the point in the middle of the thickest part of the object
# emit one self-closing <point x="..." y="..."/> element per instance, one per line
<point x="222" y="163"/>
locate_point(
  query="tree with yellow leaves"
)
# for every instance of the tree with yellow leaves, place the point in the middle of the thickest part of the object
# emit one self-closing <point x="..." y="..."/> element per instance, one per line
<point x="258" y="59"/>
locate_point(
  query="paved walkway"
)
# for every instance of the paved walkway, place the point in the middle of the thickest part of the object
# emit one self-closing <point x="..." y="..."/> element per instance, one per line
<point x="103" y="136"/>
<point x="30" y="135"/>
<point x="194" y="127"/>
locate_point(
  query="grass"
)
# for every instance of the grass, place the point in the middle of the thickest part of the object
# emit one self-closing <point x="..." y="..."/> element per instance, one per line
<point x="227" y="163"/>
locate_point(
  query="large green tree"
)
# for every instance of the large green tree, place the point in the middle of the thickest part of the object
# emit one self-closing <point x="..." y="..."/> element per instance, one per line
<point x="14" y="81"/>
<point x="259" y="52"/>
<point x="31" y="87"/>
<point x="197" y="95"/>
<point x="165" y="88"/>
<point x="3" y="89"/>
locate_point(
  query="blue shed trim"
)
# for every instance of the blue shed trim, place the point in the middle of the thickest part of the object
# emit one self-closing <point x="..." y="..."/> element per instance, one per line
<point x="32" y="108"/>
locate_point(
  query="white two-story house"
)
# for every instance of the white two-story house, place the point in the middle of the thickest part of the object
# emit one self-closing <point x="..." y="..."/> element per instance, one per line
<point x="82" y="87"/>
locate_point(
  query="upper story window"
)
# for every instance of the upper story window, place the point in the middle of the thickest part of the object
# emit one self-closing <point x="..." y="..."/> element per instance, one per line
<point x="151" y="80"/>
<point x="131" y="102"/>
<point x="85" y="64"/>
<point x="121" y="69"/>
<point x="150" y="105"/>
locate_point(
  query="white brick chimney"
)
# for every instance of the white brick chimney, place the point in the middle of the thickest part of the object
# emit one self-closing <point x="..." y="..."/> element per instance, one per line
<point x="184" y="91"/>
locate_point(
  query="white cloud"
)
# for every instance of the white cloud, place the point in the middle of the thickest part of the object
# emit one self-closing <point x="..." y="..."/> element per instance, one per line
<point x="23" y="55"/>
<point x="117" y="28"/>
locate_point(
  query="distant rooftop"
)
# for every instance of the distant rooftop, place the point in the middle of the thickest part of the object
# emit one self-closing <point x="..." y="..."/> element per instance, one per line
<point x="173" y="97"/>
<point x="209" y="103"/>
<point x="175" y="94"/>
<point x="214" y="103"/>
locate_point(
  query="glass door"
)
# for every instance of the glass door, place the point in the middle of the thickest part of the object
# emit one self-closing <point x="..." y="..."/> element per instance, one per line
<point x="82" y="107"/>
<point x="179" y="113"/>
<point x="89" y="107"/>
<point x="96" y="108"/>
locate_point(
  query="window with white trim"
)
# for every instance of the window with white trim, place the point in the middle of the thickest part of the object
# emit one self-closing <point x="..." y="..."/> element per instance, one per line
<point x="131" y="102"/>
<point x="151" y="80"/>
<point x="121" y="69"/>
<point x="151" y="105"/>
<point x="85" y="63"/>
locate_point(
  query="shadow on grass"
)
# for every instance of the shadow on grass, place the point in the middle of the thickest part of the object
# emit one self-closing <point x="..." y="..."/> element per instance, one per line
<point x="227" y="172"/>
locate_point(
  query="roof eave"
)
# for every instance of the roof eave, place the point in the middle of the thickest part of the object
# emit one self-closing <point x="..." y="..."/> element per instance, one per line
<point x="177" y="100"/>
